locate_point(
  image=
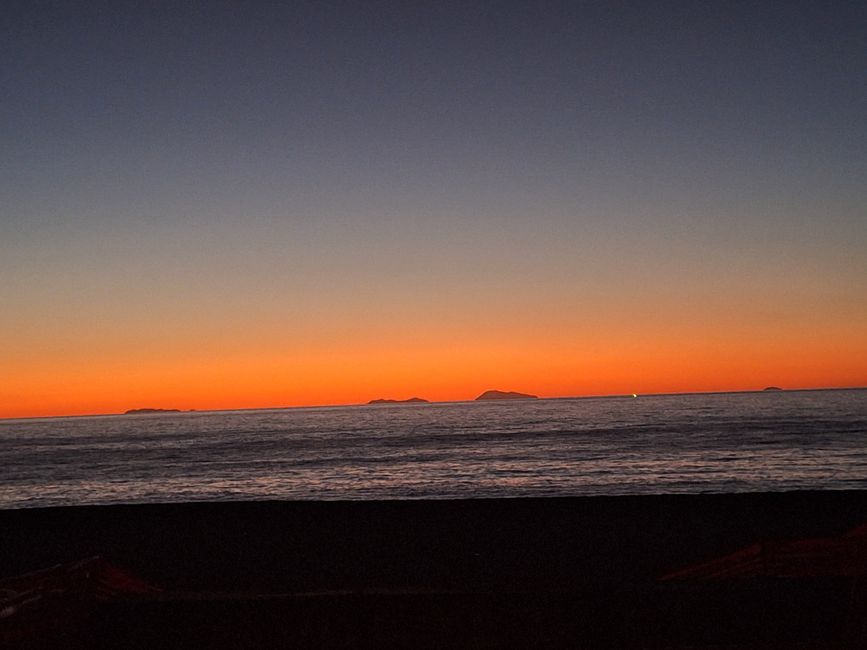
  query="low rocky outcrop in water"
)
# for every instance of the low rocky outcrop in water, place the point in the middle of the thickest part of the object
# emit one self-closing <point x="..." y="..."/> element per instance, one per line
<point x="146" y="411"/>
<point x="411" y="400"/>
<point x="501" y="394"/>
<point x="773" y="388"/>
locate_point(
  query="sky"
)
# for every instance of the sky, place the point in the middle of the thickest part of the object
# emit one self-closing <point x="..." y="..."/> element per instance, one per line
<point x="236" y="205"/>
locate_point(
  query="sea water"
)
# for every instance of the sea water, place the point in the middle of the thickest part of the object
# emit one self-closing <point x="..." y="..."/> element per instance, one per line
<point x="732" y="442"/>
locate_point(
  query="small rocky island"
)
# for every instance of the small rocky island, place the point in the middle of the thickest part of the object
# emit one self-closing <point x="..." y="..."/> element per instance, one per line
<point x="500" y="395"/>
<point x="150" y="411"/>
<point x="411" y="400"/>
<point x="773" y="388"/>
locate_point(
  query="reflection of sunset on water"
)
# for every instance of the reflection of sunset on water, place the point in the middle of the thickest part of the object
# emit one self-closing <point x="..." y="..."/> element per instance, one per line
<point x="781" y="440"/>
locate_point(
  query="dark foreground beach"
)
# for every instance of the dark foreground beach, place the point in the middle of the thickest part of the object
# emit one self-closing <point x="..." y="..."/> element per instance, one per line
<point x="566" y="572"/>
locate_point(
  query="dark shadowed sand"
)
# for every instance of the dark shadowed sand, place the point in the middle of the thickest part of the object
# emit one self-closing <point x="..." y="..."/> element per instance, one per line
<point x="569" y="572"/>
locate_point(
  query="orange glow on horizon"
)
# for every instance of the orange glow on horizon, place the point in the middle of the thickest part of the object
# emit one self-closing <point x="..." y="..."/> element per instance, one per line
<point x="440" y="348"/>
<point x="456" y="370"/>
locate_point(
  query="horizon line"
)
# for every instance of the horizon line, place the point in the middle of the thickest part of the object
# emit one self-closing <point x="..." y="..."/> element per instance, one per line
<point x="458" y="401"/>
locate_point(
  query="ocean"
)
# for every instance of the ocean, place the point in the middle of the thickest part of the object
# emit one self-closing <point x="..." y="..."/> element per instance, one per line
<point x="699" y="443"/>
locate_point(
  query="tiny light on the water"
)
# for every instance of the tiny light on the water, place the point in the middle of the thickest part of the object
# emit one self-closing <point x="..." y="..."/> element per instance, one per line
<point x="634" y="395"/>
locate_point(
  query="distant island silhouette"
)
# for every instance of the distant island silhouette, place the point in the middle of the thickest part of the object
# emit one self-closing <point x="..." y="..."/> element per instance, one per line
<point x="500" y="394"/>
<point x="411" y="400"/>
<point x="773" y="388"/>
<point x="146" y="411"/>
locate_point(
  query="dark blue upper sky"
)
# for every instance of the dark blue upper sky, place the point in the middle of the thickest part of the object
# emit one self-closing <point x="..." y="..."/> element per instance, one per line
<point x="384" y="103"/>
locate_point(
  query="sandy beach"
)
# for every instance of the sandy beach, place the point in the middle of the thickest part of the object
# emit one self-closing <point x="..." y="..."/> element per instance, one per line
<point x="482" y="573"/>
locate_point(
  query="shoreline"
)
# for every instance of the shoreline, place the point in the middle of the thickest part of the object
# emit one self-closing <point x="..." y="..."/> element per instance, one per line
<point x="544" y="572"/>
<point x="489" y="543"/>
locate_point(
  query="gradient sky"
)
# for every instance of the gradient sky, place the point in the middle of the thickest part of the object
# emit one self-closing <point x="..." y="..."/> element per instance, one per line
<point x="220" y="205"/>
